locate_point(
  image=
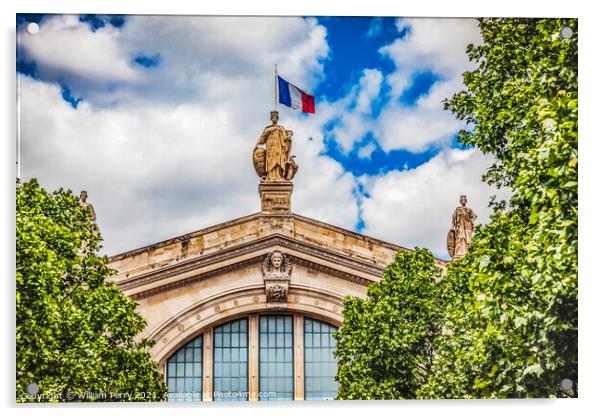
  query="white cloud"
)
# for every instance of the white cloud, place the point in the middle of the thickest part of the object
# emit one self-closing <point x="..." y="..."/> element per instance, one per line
<point x="65" y="49"/>
<point x="414" y="207"/>
<point x="168" y="151"/>
<point x="434" y="45"/>
<point x="354" y="111"/>
<point x="438" y="46"/>
<point x="366" y="151"/>
<point x="414" y="129"/>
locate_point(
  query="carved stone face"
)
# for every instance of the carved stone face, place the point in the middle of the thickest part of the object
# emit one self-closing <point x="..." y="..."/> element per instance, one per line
<point x="276" y="261"/>
<point x="463" y="200"/>
<point x="83" y="196"/>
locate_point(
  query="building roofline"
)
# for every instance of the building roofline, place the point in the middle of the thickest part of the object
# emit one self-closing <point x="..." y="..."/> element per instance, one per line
<point x="250" y="217"/>
<point x="182" y="237"/>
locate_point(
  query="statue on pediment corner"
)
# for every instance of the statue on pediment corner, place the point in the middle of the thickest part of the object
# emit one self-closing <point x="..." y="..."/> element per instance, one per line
<point x="460" y="233"/>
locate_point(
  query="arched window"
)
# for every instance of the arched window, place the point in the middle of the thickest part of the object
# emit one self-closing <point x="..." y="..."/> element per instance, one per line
<point x="276" y="357"/>
<point x="256" y="357"/>
<point x="231" y="361"/>
<point x="320" y="367"/>
<point x="185" y="372"/>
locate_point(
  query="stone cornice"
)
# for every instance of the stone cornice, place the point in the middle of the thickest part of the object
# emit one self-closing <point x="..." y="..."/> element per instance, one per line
<point x="255" y="216"/>
<point x="182" y="237"/>
<point x="196" y="278"/>
<point x="328" y="256"/>
<point x="350" y="233"/>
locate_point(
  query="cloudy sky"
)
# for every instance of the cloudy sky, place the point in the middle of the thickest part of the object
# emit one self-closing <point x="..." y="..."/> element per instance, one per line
<point x="156" y="117"/>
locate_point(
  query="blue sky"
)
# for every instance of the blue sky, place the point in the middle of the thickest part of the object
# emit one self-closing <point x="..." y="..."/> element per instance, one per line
<point x="175" y="93"/>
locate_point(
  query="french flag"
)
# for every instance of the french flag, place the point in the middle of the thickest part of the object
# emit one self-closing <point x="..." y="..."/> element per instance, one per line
<point x="293" y="97"/>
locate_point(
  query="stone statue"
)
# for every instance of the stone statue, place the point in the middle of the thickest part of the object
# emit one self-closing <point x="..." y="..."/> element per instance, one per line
<point x="460" y="234"/>
<point x="83" y="202"/>
<point x="291" y="168"/>
<point x="83" y="196"/>
<point x="276" y="269"/>
<point x="274" y="162"/>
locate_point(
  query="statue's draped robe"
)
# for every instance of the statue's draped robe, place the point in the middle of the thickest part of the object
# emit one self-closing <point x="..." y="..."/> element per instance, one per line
<point x="276" y="151"/>
<point x="463" y="224"/>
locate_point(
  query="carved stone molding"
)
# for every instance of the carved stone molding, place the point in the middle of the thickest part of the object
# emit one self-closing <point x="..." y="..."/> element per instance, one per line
<point x="197" y="278"/>
<point x="169" y="337"/>
<point x="245" y="249"/>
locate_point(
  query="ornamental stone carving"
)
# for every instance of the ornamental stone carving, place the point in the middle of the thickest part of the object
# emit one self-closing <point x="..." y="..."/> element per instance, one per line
<point x="276" y="268"/>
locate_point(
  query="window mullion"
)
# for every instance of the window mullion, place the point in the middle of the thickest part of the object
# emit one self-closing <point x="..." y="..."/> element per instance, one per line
<point x="253" y="358"/>
<point x="298" y="369"/>
<point x="208" y="366"/>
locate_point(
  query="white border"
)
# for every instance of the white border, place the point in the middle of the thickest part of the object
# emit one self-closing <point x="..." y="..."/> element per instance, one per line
<point x="590" y="151"/>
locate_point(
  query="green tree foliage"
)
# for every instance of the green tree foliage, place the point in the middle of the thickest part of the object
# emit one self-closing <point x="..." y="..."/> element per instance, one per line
<point x="384" y="348"/>
<point x="512" y="306"/>
<point x="75" y="330"/>
<point x="503" y="320"/>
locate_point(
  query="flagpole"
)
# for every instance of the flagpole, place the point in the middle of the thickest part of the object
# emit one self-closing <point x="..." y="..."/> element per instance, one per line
<point x="275" y="87"/>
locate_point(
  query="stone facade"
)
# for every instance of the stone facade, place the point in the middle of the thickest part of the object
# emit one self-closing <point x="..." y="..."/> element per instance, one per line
<point x="187" y="285"/>
<point x="270" y="262"/>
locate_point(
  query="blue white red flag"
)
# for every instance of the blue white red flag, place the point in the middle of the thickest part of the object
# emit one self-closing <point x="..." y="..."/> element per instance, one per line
<point x="294" y="98"/>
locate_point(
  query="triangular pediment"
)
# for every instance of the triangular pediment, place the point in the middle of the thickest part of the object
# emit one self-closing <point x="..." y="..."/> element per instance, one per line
<point x="243" y="243"/>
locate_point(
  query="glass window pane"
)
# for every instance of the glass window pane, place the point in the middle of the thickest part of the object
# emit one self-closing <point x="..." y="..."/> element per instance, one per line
<point x="319" y="361"/>
<point x="184" y="372"/>
<point x="308" y="339"/>
<point x="230" y="362"/>
<point x="276" y="357"/>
